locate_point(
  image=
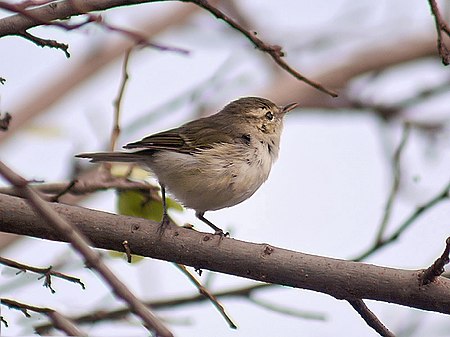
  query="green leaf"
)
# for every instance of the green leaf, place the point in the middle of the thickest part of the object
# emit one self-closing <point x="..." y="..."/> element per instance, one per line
<point x="141" y="204"/>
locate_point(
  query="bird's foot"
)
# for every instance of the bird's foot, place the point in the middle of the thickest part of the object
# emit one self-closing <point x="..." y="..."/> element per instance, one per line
<point x="165" y="222"/>
<point x="220" y="232"/>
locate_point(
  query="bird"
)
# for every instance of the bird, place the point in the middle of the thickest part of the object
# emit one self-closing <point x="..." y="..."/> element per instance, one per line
<point x="212" y="162"/>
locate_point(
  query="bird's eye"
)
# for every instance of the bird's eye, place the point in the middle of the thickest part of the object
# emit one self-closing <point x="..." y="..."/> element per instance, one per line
<point x="269" y="115"/>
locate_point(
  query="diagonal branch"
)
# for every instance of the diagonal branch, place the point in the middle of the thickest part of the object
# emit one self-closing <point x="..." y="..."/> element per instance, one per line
<point x="46" y="42"/>
<point x="58" y="321"/>
<point x="441" y="26"/>
<point x="338" y="278"/>
<point x="274" y="51"/>
<point x="437" y="268"/>
<point x="81" y="244"/>
<point x="116" y="314"/>
<point x="205" y="292"/>
<point x="76" y="8"/>
<point x="444" y="194"/>
<point x="46" y="15"/>
<point x="370" y="318"/>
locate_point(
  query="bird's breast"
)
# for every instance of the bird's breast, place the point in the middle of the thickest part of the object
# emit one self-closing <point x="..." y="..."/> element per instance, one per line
<point x="214" y="178"/>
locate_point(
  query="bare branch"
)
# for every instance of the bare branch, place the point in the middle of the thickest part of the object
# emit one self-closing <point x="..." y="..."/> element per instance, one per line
<point x="441" y="196"/>
<point x="76" y="8"/>
<point x="370" y="318"/>
<point x="117" y="102"/>
<point x="59" y="321"/>
<point x="395" y="182"/>
<point x="46" y="42"/>
<point x="47" y="273"/>
<point x="274" y="51"/>
<point x="99" y="182"/>
<point x="441" y="26"/>
<point x="437" y="268"/>
<point x="73" y="8"/>
<point x="81" y="243"/>
<point x="205" y="292"/>
<point x="338" y="278"/>
<point x="103" y="315"/>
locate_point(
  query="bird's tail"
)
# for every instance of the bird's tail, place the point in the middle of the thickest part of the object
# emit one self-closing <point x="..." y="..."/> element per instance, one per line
<point x="123" y="157"/>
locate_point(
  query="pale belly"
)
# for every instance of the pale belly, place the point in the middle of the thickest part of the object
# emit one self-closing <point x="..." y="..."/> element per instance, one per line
<point x="214" y="179"/>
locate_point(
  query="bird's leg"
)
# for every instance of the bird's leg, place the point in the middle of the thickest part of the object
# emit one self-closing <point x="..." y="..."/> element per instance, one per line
<point x="217" y="230"/>
<point x="165" y="219"/>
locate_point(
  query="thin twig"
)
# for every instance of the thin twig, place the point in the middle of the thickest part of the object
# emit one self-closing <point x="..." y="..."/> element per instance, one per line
<point x="395" y="183"/>
<point x="437" y="268"/>
<point x="58" y="321"/>
<point x="274" y="51"/>
<point x="117" y="314"/>
<point x="65" y="190"/>
<point x="126" y="247"/>
<point x="441" y="26"/>
<point x="100" y="182"/>
<point x="89" y="18"/>
<point x="2" y="320"/>
<point x="205" y="292"/>
<point x="441" y="196"/>
<point x="81" y="244"/>
<point x="46" y="42"/>
<point x="47" y="273"/>
<point x="117" y="102"/>
<point x="370" y="318"/>
<point x="289" y="311"/>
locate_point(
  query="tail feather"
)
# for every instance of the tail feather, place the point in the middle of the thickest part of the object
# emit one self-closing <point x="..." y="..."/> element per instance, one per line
<point x="111" y="157"/>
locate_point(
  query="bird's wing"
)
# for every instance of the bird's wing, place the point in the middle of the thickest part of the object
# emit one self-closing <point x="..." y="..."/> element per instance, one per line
<point x="188" y="138"/>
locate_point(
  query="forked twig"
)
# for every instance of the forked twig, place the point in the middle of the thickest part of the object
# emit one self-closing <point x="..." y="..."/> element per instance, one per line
<point x="47" y="273"/>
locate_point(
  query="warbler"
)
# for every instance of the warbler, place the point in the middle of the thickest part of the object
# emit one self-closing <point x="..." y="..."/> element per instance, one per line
<point x="212" y="162"/>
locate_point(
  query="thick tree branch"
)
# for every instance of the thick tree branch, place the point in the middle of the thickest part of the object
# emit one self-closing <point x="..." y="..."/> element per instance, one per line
<point x="81" y="244"/>
<point x="338" y="278"/>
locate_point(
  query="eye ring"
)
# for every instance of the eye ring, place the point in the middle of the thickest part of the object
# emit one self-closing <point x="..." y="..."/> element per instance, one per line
<point x="269" y="115"/>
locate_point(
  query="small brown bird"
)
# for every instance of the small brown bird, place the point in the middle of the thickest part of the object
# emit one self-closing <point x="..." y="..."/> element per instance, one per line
<point x="213" y="162"/>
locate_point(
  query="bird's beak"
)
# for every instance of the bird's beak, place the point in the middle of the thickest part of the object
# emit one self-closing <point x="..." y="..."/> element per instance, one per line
<point x="289" y="107"/>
